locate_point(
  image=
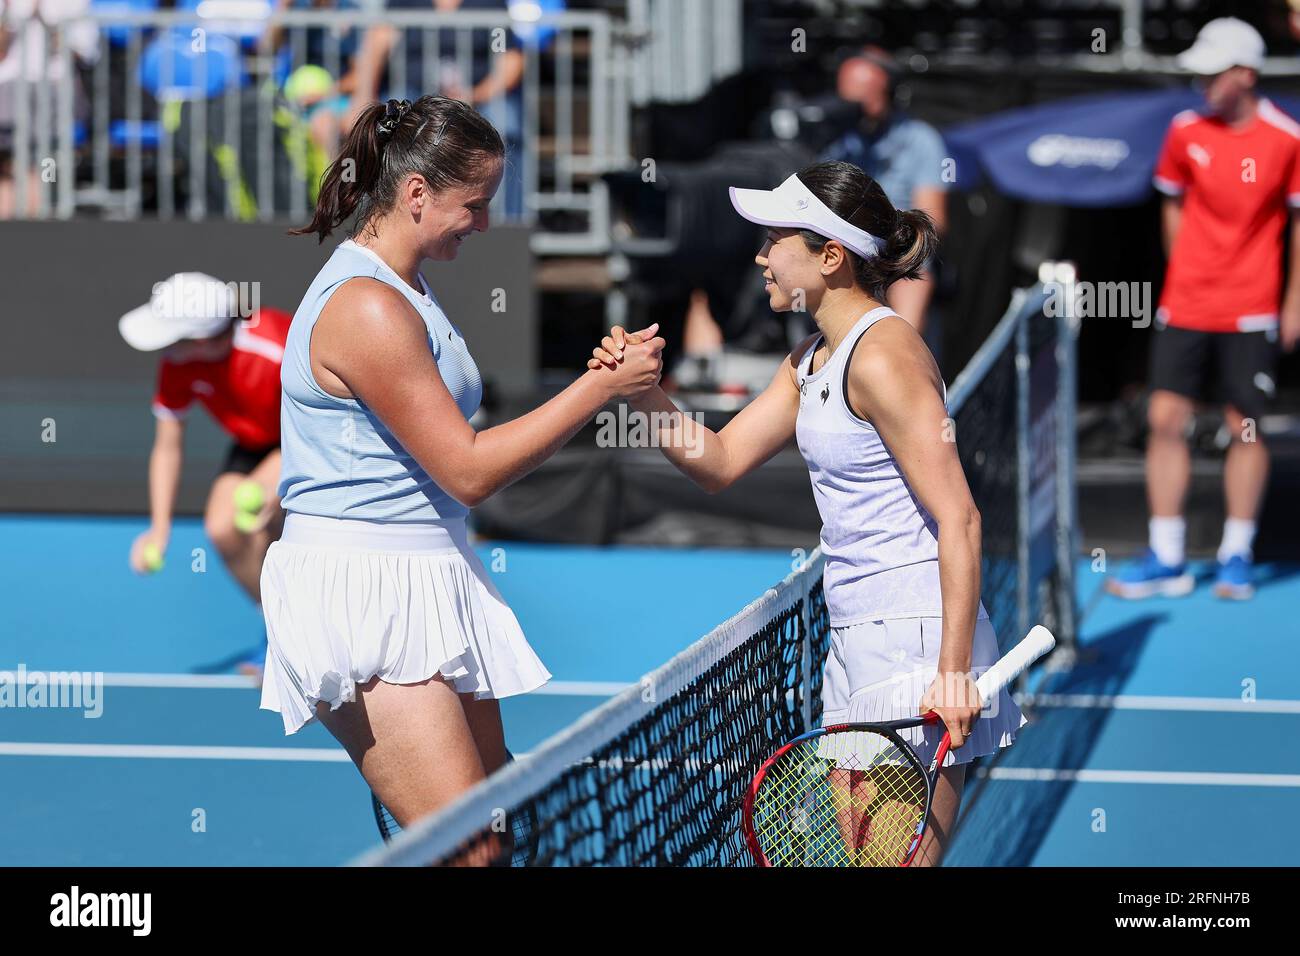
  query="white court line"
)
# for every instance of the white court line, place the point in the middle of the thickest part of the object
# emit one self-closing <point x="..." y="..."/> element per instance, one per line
<point x="324" y="755"/>
<point x="1166" y="777"/>
<point x="1137" y="702"/>
<point x="559" y="688"/>
<point x="163" y="752"/>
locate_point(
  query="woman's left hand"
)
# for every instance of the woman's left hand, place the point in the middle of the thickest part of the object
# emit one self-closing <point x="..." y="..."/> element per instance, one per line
<point x="610" y="351"/>
<point x="955" y="698"/>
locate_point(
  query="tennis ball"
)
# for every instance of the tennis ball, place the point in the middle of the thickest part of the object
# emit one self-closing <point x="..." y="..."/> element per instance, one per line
<point x="308" y="84"/>
<point x="153" y="559"/>
<point x="250" y="498"/>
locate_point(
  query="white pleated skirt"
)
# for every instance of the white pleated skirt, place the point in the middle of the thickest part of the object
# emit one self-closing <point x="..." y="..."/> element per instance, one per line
<point x="879" y="670"/>
<point x="346" y="601"/>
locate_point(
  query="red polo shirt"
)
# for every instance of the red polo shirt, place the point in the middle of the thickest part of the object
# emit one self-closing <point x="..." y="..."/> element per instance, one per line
<point x="242" y="391"/>
<point x="1225" y="271"/>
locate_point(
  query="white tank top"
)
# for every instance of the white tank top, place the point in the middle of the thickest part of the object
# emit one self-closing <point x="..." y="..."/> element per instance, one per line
<point x="881" y="545"/>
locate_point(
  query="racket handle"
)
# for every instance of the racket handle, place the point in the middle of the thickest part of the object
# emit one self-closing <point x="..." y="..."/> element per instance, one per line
<point x="1034" y="645"/>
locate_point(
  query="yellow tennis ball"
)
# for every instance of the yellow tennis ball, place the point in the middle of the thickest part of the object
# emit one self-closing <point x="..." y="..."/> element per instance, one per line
<point x="153" y="559"/>
<point x="245" y="522"/>
<point x="250" y="497"/>
<point x="308" y="84"/>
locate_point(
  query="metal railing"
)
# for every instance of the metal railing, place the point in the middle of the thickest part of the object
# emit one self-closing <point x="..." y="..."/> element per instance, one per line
<point x="180" y="115"/>
<point x="680" y="48"/>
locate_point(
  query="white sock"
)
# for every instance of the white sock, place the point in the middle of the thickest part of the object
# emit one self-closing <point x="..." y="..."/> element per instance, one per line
<point x="1238" y="538"/>
<point x="1168" y="540"/>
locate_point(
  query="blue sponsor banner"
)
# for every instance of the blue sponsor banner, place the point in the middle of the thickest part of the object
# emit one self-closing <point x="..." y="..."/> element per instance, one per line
<point x="1090" y="151"/>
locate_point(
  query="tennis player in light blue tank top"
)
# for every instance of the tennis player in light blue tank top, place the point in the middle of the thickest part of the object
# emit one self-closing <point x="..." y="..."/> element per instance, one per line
<point x="382" y="623"/>
<point x="866" y="404"/>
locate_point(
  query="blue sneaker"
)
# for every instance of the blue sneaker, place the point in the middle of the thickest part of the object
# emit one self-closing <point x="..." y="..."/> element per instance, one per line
<point x="1235" y="579"/>
<point x="1147" y="577"/>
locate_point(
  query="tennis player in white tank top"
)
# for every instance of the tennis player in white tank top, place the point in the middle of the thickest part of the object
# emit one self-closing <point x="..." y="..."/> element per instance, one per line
<point x="866" y="403"/>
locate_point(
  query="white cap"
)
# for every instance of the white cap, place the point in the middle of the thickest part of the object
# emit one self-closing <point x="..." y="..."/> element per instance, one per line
<point x="188" y="305"/>
<point x="793" y="206"/>
<point x="1223" y="44"/>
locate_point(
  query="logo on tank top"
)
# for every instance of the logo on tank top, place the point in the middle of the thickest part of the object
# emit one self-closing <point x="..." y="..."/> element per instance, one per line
<point x="826" y="392"/>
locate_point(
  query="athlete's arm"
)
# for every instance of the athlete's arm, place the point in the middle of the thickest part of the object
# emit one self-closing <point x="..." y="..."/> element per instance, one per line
<point x="507" y="72"/>
<point x="165" y="462"/>
<point x="1171" y="217"/>
<point x="895" y="385"/>
<point x="370" y="338"/>
<point x="1290" y="320"/>
<point x="367" y="69"/>
<point x="715" y="460"/>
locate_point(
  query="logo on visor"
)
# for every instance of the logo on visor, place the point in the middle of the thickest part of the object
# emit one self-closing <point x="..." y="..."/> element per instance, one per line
<point x="801" y="204"/>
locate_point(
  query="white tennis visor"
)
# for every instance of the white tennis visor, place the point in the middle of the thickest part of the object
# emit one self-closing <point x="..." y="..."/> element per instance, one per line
<point x="793" y="206"/>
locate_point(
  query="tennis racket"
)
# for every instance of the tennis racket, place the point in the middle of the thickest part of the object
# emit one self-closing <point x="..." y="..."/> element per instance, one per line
<point x="858" y="794"/>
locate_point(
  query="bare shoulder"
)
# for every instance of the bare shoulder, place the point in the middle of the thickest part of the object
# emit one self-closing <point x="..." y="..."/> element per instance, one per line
<point x="369" y="311"/>
<point x="893" y="362"/>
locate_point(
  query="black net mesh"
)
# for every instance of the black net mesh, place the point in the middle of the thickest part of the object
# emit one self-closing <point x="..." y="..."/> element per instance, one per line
<point x="986" y="444"/>
<point x="667" y="789"/>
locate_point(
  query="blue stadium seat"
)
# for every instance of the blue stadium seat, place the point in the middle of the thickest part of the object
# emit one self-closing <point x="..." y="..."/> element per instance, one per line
<point x="525" y="13"/>
<point x="148" y="133"/>
<point x="192" y="74"/>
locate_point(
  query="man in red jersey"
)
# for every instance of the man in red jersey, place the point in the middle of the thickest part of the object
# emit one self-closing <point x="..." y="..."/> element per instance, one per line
<point x="1231" y="178"/>
<point x="230" y="365"/>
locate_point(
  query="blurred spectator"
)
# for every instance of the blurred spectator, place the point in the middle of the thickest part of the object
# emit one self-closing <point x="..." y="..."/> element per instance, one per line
<point x="490" y="80"/>
<point x="903" y="154"/>
<point x="323" y="97"/>
<point x="29" y="53"/>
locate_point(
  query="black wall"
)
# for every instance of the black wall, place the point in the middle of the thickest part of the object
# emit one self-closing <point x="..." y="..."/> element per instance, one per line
<point x="63" y="286"/>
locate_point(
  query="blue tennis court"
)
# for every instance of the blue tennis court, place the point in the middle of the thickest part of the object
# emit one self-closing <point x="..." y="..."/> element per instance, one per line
<point x="1174" y="704"/>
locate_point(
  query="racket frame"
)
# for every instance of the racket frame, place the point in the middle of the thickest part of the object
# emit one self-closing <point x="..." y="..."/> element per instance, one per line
<point x="1034" y="645"/>
<point x="888" y="729"/>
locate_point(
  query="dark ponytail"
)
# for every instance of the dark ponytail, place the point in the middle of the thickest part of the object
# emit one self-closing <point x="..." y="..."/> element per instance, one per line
<point x="909" y="236"/>
<point x="444" y="140"/>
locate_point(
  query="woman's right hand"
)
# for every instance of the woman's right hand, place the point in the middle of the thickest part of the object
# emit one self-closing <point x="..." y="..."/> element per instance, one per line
<point x="152" y="540"/>
<point x="634" y="360"/>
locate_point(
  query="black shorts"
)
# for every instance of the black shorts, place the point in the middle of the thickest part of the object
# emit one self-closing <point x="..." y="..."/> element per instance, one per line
<point x="1244" y="367"/>
<point x="242" y="460"/>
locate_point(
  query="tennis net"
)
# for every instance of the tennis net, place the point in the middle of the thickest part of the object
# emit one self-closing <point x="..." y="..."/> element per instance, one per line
<point x="1012" y="413"/>
<point x="1013" y="407"/>
<point x="656" y="776"/>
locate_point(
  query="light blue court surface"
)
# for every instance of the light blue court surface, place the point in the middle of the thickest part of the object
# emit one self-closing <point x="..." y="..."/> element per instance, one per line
<point x="1145" y="754"/>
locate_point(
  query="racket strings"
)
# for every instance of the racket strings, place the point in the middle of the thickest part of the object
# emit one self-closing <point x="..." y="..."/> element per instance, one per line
<point x="854" y="798"/>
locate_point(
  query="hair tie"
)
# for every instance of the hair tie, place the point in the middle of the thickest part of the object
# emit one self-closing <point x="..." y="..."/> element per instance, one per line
<point x="392" y="118"/>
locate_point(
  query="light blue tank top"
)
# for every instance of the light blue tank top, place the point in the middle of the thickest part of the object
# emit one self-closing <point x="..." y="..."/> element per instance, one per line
<point x="339" y="459"/>
<point x="880" y="543"/>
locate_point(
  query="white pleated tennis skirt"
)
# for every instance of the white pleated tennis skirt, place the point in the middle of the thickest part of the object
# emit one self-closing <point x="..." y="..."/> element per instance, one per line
<point x="879" y="670"/>
<point x="346" y="601"/>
